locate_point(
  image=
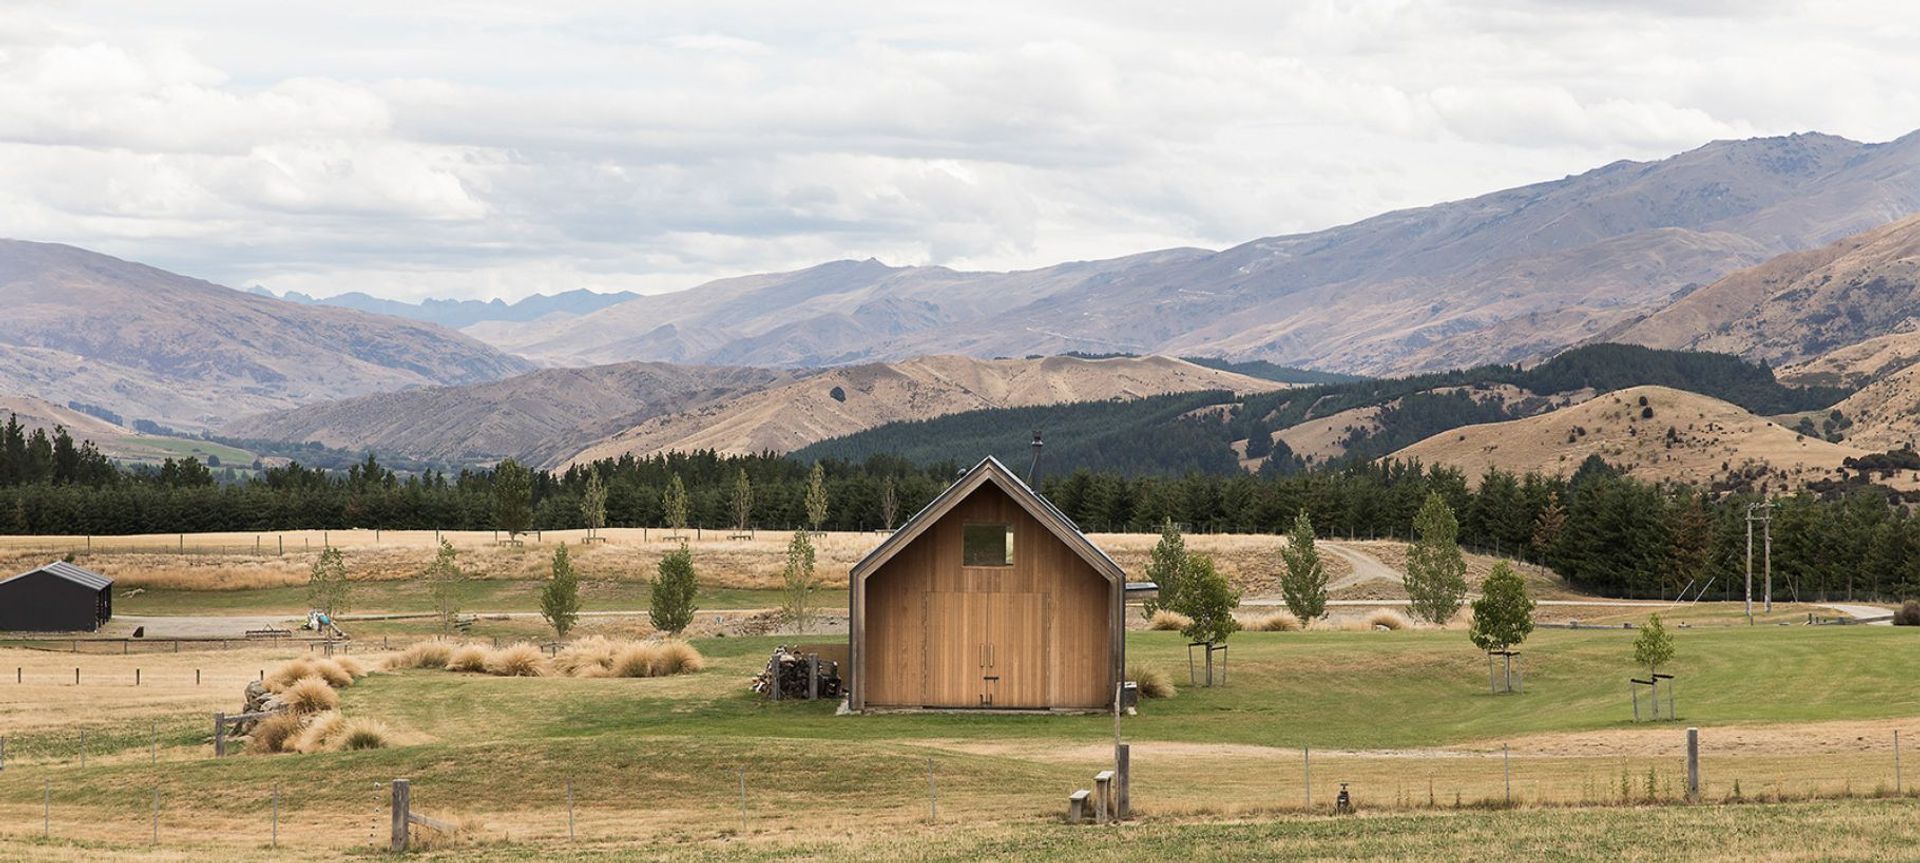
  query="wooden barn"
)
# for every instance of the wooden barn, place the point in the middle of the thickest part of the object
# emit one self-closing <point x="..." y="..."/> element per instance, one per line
<point x="58" y="597"/>
<point x="990" y="597"/>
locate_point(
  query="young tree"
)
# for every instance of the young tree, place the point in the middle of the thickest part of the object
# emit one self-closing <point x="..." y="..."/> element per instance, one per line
<point x="674" y="504"/>
<point x="673" y="592"/>
<point x="327" y="585"/>
<point x="1165" y="567"/>
<point x="1436" y="573"/>
<point x="593" y="504"/>
<point x="817" y="497"/>
<point x="889" y="503"/>
<point x="1208" y="600"/>
<point x="443" y="578"/>
<point x="512" y="498"/>
<point x="798" y="581"/>
<point x="1653" y="647"/>
<point x="1502" y="617"/>
<point x="560" y="596"/>
<point x="1304" y="585"/>
<point x="1547" y="528"/>
<point x="742" y="502"/>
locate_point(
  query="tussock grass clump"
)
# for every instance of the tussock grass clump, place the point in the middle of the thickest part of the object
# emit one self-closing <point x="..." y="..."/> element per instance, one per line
<point x="1168" y="621"/>
<point x="588" y="657"/>
<point x="425" y="654"/>
<point x="468" y="657"/>
<point x="288" y="673"/>
<point x="332" y="672"/>
<point x="271" y="734"/>
<point x="1279" y="621"/>
<point x="517" y="660"/>
<point x="1388" y="618"/>
<point x="309" y="695"/>
<point x="676" y="657"/>
<point x="634" y="660"/>
<point x="1153" y="682"/>
<point x="320" y="732"/>
<point x="1909" y="614"/>
<point x="363" y="734"/>
<point x="353" y="667"/>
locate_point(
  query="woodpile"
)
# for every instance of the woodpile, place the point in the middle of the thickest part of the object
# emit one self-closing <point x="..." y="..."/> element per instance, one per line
<point x="789" y="670"/>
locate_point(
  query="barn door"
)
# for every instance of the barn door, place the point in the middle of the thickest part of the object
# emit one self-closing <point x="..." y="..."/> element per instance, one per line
<point x="1017" y="651"/>
<point x="956" y="649"/>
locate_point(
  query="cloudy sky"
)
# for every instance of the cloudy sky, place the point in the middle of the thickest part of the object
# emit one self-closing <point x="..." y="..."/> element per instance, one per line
<point x="482" y="149"/>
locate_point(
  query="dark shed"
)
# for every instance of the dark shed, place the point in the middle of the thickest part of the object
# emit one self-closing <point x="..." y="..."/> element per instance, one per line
<point x="58" y="597"/>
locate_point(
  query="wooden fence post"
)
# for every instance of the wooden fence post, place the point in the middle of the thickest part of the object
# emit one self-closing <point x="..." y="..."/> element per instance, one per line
<point x="1506" y="767"/>
<point x="1103" y="795"/>
<point x="1693" y="764"/>
<point x="813" y="676"/>
<point x="274" y="840"/>
<point x="1306" y="764"/>
<point x="569" y="810"/>
<point x="1123" y="769"/>
<point x="402" y="802"/>
<point x="1896" y="759"/>
<point x="933" y="795"/>
<point x="219" y="735"/>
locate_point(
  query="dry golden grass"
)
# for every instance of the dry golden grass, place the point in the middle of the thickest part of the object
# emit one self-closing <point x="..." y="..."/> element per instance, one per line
<point x="1153" y="682"/>
<point x="676" y="657"/>
<point x="363" y="734"/>
<point x="1387" y="618"/>
<point x="586" y="657"/>
<point x="319" y="732"/>
<point x="1279" y="621"/>
<point x="354" y="668"/>
<point x="468" y="657"/>
<point x="271" y="734"/>
<point x="423" y="654"/>
<point x="516" y="660"/>
<point x="1165" y="620"/>
<point x="309" y="695"/>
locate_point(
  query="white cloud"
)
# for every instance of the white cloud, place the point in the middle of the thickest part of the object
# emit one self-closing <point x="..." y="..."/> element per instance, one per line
<point x="499" y="149"/>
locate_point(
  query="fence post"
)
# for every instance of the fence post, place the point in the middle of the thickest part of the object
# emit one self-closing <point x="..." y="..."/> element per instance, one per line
<point x="402" y="802"/>
<point x="219" y="735"/>
<point x="569" y="810"/>
<point x="274" y="841"/>
<point x="1896" y="759"/>
<point x="743" y="799"/>
<point x="1506" y="767"/>
<point x="813" y="676"/>
<point x="933" y="795"/>
<point x="1123" y="771"/>
<point x="1306" y="764"/>
<point x="1693" y="765"/>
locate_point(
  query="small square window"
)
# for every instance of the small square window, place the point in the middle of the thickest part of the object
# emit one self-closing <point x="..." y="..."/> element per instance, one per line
<point x="987" y="545"/>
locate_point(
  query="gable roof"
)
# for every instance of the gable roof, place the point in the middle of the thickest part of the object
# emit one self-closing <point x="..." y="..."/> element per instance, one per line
<point x="991" y="470"/>
<point x="83" y="577"/>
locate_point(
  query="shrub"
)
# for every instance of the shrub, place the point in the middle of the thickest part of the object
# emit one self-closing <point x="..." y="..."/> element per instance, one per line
<point x="468" y="657"/>
<point x="517" y="660"/>
<point x="309" y="695"/>
<point x="1909" y="614"/>
<point x="1279" y="621"/>
<point x="363" y="734"/>
<point x="319" y="732"/>
<point x="1153" y="682"/>
<point x="1388" y="618"/>
<point x="676" y="657"/>
<point x="1167" y="620"/>
<point x="272" y="733"/>
<point x="425" y="654"/>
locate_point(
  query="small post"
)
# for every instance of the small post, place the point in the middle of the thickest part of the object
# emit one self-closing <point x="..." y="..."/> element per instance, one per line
<point x="83" y="750"/>
<point x="219" y="735"/>
<point x="46" y="809"/>
<point x="1693" y="764"/>
<point x="743" y="799"/>
<point x="402" y="802"/>
<point x="1635" y="692"/>
<point x="569" y="810"/>
<point x="196" y="677"/>
<point x="156" y="814"/>
<point x="933" y="795"/>
<point x="813" y="676"/>
<point x="1896" y="759"/>
<point x="153" y="751"/>
<point x="1123" y="770"/>
<point x="1306" y="764"/>
<point x="274" y="840"/>
<point x="1103" y="796"/>
<point x="136" y="677"/>
<point x="76" y="671"/>
<point x="1671" y="713"/>
<point x="1506" y="767"/>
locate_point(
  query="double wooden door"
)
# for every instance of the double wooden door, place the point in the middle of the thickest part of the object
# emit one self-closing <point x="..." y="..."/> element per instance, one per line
<point x="986" y="650"/>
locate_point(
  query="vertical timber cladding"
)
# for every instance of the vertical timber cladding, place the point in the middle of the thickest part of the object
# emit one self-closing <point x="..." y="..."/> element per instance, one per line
<point x="1036" y="634"/>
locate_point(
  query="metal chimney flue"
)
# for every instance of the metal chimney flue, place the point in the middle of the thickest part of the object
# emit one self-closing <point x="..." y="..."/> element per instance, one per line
<point x="1034" y="468"/>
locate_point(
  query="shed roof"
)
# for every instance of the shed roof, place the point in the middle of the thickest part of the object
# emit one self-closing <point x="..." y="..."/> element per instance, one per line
<point x="991" y="469"/>
<point x="84" y="577"/>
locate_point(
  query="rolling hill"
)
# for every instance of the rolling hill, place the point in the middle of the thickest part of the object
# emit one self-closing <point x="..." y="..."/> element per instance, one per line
<point x="1651" y="432"/>
<point x="845" y="400"/>
<point x="149" y="344"/>
<point x="116" y="441"/>
<point x="539" y="418"/>
<point x="1498" y="278"/>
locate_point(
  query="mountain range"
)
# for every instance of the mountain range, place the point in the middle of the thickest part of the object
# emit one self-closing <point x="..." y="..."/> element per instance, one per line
<point x="463" y="313"/>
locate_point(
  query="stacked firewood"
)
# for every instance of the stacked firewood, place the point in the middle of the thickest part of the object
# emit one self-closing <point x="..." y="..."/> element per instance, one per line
<point x="787" y="668"/>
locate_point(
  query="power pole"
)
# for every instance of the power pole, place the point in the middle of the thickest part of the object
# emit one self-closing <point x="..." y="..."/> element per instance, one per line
<point x="1765" y="517"/>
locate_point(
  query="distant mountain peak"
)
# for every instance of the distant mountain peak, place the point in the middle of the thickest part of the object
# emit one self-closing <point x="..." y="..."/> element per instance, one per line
<point x="456" y="314"/>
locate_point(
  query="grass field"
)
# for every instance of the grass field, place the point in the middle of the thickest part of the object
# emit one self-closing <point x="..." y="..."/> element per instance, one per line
<point x="1787" y="713"/>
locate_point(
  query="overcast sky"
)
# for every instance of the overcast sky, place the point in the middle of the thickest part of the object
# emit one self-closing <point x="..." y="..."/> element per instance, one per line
<point x="481" y="149"/>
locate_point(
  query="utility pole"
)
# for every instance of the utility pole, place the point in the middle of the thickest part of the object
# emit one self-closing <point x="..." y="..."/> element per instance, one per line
<point x="1765" y="517"/>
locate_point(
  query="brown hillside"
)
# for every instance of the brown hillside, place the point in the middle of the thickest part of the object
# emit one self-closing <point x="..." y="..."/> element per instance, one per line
<point x="1802" y="304"/>
<point x="1711" y="441"/>
<point x="795" y="414"/>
